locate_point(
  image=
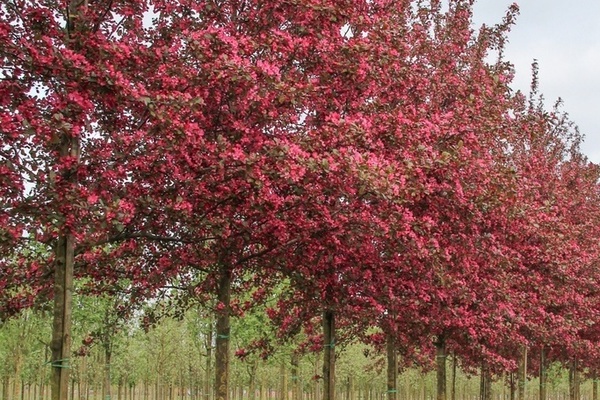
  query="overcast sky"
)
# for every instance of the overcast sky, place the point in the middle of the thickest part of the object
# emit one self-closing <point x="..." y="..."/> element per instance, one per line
<point x="564" y="36"/>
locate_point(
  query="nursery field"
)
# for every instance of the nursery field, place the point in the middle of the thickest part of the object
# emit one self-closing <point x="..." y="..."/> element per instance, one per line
<point x="174" y="360"/>
<point x="316" y="199"/>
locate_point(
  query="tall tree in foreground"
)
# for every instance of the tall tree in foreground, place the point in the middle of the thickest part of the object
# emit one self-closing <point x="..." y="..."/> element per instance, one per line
<point x="72" y="83"/>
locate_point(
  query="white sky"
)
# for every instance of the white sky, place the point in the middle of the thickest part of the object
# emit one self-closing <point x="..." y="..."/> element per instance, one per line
<point x="564" y="36"/>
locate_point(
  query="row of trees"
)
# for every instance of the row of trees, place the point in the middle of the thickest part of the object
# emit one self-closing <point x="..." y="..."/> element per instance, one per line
<point x="363" y="162"/>
<point x="173" y="361"/>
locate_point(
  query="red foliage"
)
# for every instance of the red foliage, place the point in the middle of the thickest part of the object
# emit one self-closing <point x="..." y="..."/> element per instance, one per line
<point x="365" y="151"/>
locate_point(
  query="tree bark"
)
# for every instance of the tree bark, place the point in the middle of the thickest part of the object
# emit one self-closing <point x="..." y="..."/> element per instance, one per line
<point x="574" y="381"/>
<point x="295" y="378"/>
<point x="252" y="388"/>
<point x="107" y="361"/>
<point x="283" y="382"/>
<point x="481" y="385"/>
<point x="316" y="387"/>
<point x="350" y="393"/>
<point x="61" y="327"/>
<point x="486" y="382"/>
<point x="328" y="355"/>
<point x="453" y="390"/>
<point x="512" y="386"/>
<point x="263" y="391"/>
<point x="223" y="330"/>
<point x="595" y="386"/>
<point x="440" y="360"/>
<point x="392" y="368"/>
<point x="543" y="374"/>
<point x="5" y="387"/>
<point x="208" y="377"/>
<point x="522" y="374"/>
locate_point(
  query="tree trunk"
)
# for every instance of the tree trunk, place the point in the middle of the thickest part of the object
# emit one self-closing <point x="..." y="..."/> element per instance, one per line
<point x="574" y="381"/>
<point x="295" y="377"/>
<point x="440" y="360"/>
<point x="328" y="355"/>
<point x="392" y="368"/>
<point x="61" y="327"/>
<point x="486" y="382"/>
<point x="453" y="390"/>
<point x="481" y="385"/>
<point x="209" y="341"/>
<point x="283" y="383"/>
<point x="83" y="383"/>
<point x="595" y="386"/>
<point x="543" y="374"/>
<point x="351" y="393"/>
<point x="252" y="388"/>
<point x="107" y="361"/>
<point x="317" y="387"/>
<point x="223" y="330"/>
<point x="5" y="387"/>
<point x="522" y="374"/>
<point x="262" y="390"/>
<point x="63" y="266"/>
<point x="512" y="386"/>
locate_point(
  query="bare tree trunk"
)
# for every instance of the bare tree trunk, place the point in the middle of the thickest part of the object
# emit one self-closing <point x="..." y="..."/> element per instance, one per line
<point x="543" y="374"/>
<point x="481" y="385"/>
<point x="208" y="377"/>
<point x="107" y="361"/>
<point x="5" y="387"/>
<point x="252" y="389"/>
<point x="440" y="360"/>
<point x="522" y="374"/>
<point x="486" y="382"/>
<point x="351" y="394"/>
<point x="453" y="390"/>
<point x="595" y="386"/>
<point x="574" y="381"/>
<point x="392" y="368"/>
<point x="295" y="377"/>
<point x="263" y="391"/>
<point x="317" y="392"/>
<point x="512" y="386"/>
<point x="61" y="327"/>
<point x="284" y="381"/>
<point x="223" y="330"/>
<point x="328" y="356"/>
<point x="43" y="374"/>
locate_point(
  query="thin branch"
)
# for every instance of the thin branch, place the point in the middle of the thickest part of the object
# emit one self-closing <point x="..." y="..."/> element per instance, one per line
<point x="264" y="251"/>
<point x="141" y="235"/>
